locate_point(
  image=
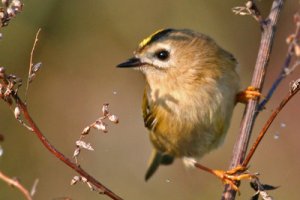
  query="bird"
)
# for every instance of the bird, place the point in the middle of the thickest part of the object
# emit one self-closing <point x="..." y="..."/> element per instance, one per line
<point x="191" y="89"/>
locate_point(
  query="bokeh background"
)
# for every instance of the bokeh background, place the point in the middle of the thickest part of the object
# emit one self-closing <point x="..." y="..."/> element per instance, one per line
<point x="80" y="44"/>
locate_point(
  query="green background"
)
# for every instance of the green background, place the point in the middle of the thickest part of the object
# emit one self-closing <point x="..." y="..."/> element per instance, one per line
<point x="80" y="44"/>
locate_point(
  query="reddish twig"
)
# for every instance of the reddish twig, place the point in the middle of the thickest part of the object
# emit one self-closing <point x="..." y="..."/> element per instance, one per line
<point x="59" y="155"/>
<point x="268" y="123"/>
<point x="240" y="148"/>
<point x="16" y="183"/>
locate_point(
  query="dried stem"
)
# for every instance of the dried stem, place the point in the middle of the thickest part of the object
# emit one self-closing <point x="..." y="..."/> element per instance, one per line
<point x="15" y="183"/>
<point x="285" y="69"/>
<point x="31" y="61"/>
<point x="240" y="148"/>
<point x="58" y="154"/>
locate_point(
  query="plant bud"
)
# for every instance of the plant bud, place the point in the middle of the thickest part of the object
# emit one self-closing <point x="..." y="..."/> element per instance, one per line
<point x="113" y="118"/>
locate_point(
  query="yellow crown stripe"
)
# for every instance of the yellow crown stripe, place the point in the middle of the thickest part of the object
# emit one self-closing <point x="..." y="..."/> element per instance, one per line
<point x="153" y="35"/>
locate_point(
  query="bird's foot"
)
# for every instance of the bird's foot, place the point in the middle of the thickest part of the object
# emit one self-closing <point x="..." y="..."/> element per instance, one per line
<point x="250" y="93"/>
<point x="231" y="177"/>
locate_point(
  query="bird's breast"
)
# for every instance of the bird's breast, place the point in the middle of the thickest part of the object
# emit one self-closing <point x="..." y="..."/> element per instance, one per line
<point x="190" y="122"/>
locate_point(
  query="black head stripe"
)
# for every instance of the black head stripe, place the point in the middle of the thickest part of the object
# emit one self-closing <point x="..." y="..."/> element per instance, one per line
<point x="154" y="37"/>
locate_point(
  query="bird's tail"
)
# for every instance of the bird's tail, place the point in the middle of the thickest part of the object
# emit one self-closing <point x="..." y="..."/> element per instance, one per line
<point x="157" y="158"/>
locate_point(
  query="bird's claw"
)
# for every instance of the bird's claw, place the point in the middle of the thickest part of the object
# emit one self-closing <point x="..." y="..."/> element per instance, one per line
<point x="232" y="176"/>
<point x="251" y="93"/>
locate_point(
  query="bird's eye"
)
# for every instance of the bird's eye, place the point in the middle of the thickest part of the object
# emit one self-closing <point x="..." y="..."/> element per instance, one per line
<point x="162" y="55"/>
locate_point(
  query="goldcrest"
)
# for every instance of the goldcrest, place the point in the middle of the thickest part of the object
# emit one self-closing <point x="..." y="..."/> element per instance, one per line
<point x="189" y="96"/>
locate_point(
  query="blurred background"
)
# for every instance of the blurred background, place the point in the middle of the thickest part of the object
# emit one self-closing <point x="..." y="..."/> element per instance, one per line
<point x="80" y="44"/>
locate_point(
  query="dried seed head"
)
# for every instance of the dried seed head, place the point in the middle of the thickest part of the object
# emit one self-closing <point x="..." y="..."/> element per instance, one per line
<point x="1" y="16"/>
<point x="1" y="151"/>
<point x="84" y="145"/>
<point x="76" y="152"/>
<point x="34" y="187"/>
<point x="83" y="179"/>
<point x="17" y="112"/>
<point x="297" y="18"/>
<point x="290" y="38"/>
<point x="2" y="70"/>
<point x="4" y="2"/>
<point x="90" y="186"/>
<point x="34" y="70"/>
<point x="31" y="77"/>
<point x="99" y="125"/>
<point x="241" y="10"/>
<point x="249" y="4"/>
<point x="75" y="179"/>
<point x="10" y="12"/>
<point x="86" y="130"/>
<point x="113" y="118"/>
<point x="295" y="85"/>
<point x="105" y="109"/>
<point x="11" y="76"/>
<point x="297" y="50"/>
<point x="16" y="3"/>
<point x="36" y="67"/>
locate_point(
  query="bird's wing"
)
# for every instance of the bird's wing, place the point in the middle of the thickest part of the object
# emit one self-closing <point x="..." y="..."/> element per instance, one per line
<point x="148" y="115"/>
<point x="150" y="121"/>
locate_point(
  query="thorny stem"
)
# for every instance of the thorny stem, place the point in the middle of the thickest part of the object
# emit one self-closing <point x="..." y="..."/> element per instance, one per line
<point x="240" y="148"/>
<point x="267" y="125"/>
<point x="62" y="157"/>
<point x="15" y="183"/>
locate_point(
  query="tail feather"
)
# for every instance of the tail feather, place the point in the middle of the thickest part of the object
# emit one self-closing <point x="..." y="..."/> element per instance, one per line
<point x="156" y="159"/>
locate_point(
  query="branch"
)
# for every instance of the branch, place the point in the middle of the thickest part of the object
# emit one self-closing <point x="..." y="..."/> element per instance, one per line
<point x="59" y="155"/>
<point x="240" y="148"/>
<point x="30" y="72"/>
<point x="9" y="85"/>
<point x="294" y="89"/>
<point x="15" y="183"/>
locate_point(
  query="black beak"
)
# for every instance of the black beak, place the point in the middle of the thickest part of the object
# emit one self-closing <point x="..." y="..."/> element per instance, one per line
<point x="132" y="62"/>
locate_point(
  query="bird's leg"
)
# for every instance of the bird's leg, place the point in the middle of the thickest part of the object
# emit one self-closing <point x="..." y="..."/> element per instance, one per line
<point x="229" y="177"/>
<point x="249" y="93"/>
